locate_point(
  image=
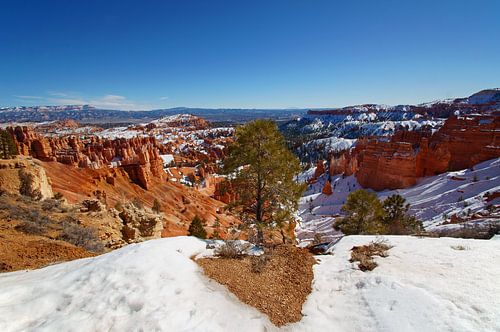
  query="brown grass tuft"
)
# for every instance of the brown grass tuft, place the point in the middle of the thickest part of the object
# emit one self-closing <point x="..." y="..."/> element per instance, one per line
<point x="364" y="254"/>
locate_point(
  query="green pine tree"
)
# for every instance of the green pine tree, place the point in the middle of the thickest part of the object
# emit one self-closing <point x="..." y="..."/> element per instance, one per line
<point x="196" y="228"/>
<point x="263" y="172"/>
<point x="363" y="214"/>
<point x="396" y="218"/>
<point x="216" y="227"/>
<point x="8" y="148"/>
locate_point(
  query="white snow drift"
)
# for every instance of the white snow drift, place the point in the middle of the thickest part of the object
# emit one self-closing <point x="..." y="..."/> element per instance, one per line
<point x="424" y="285"/>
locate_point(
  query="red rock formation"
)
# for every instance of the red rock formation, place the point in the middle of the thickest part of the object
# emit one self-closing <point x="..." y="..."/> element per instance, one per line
<point x="320" y="169"/>
<point x="461" y="143"/>
<point x="387" y="165"/>
<point x="224" y="192"/>
<point x="139" y="156"/>
<point x="327" y="188"/>
<point x="346" y="163"/>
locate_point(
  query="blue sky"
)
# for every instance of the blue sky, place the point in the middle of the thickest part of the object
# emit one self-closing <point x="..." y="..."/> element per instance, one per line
<point x="276" y="54"/>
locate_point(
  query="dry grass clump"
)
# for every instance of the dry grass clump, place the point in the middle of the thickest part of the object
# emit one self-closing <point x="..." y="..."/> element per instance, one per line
<point x="80" y="236"/>
<point x="33" y="223"/>
<point x="232" y="249"/>
<point x="364" y="254"/>
<point x="460" y="247"/>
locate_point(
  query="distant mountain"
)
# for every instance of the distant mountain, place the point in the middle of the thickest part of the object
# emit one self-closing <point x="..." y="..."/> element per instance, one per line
<point x="380" y="120"/>
<point x="90" y="114"/>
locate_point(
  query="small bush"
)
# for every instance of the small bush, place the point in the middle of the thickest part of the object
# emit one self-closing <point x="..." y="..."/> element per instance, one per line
<point x="138" y="203"/>
<point x="364" y="254"/>
<point x="51" y="204"/>
<point x="196" y="228"/>
<point x="119" y="206"/>
<point x="58" y="195"/>
<point x="258" y="263"/>
<point x="30" y="227"/>
<point x="156" y="206"/>
<point x="86" y="238"/>
<point x="33" y="223"/>
<point x="460" y="247"/>
<point x="231" y="249"/>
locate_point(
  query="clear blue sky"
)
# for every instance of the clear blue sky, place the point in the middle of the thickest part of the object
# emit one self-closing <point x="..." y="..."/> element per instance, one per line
<point x="151" y="54"/>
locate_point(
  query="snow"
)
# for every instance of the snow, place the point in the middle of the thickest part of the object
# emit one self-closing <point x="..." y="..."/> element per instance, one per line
<point x="167" y="158"/>
<point x="423" y="285"/>
<point x="443" y="194"/>
<point x="149" y="286"/>
<point x="431" y="198"/>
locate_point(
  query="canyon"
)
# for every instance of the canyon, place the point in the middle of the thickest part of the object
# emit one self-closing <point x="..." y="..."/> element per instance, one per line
<point x="398" y="161"/>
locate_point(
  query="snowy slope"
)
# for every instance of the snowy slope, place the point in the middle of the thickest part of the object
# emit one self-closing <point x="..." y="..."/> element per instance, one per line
<point x="151" y="286"/>
<point x="424" y="285"/>
<point x="452" y="192"/>
<point x="431" y="198"/>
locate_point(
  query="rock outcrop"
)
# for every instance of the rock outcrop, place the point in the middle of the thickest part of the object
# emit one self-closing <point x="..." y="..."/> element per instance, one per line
<point x="26" y="177"/>
<point x="139" y="156"/>
<point x="139" y="224"/>
<point x="320" y="169"/>
<point x="381" y="163"/>
<point x="327" y="188"/>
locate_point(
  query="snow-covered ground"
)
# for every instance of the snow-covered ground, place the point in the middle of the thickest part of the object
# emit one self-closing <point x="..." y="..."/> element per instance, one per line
<point x="431" y="199"/>
<point x="424" y="285"/>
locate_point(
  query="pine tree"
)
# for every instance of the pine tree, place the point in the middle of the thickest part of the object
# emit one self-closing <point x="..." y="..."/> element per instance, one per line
<point x="8" y="147"/>
<point x="196" y="228"/>
<point x="216" y="227"/>
<point x="262" y="171"/>
<point x="396" y="218"/>
<point x="156" y="206"/>
<point x="364" y="214"/>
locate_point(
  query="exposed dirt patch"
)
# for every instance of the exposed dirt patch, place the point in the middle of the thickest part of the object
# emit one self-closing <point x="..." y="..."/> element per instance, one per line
<point x="20" y="251"/>
<point x="278" y="291"/>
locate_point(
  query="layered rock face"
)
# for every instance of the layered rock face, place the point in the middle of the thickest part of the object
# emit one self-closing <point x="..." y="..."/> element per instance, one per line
<point x="387" y="165"/>
<point x="23" y="176"/>
<point x="320" y="169"/>
<point x="224" y="192"/>
<point x="397" y="163"/>
<point x="139" y="156"/>
<point x="139" y="224"/>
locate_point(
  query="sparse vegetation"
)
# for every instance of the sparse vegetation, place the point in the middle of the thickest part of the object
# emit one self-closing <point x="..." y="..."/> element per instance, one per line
<point x="119" y="206"/>
<point x="216" y="227"/>
<point x="8" y="148"/>
<point x="51" y="204"/>
<point x="196" y="228"/>
<point x="364" y="254"/>
<point x="460" y="247"/>
<point x="33" y="222"/>
<point x="365" y="214"/>
<point x="58" y="195"/>
<point x="138" y="203"/>
<point x="232" y="250"/>
<point x="258" y="263"/>
<point x="80" y="236"/>
<point x="156" y="206"/>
